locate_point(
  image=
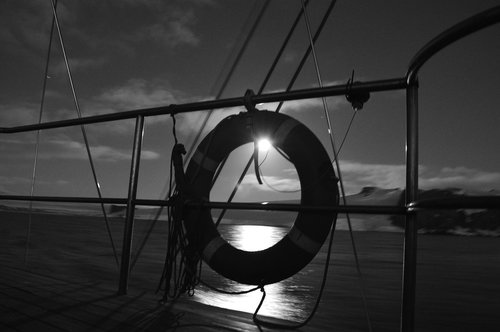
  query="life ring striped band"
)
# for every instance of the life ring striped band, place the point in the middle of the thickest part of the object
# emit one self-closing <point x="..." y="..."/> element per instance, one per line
<point x="318" y="188"/>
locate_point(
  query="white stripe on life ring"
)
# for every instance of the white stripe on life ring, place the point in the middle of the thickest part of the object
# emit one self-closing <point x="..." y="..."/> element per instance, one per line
<point x="284" y="129"/>
<point x="212" y="247"/>
<point x="303" y="241"/>
<point x="204" y="161"/>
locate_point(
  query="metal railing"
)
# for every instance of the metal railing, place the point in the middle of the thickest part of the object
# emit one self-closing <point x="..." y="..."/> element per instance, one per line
<point x="412" y="205"/>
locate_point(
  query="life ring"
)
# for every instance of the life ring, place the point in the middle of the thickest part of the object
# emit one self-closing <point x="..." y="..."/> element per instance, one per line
<point x="318" y="188"/>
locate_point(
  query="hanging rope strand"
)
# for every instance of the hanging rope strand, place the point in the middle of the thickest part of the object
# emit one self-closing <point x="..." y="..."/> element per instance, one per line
<point x="337" y="164"/>
<point x="82" y="127"/>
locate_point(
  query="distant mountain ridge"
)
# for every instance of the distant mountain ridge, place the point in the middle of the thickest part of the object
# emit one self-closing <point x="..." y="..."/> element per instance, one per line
<point x="458" y="222"/>
<point x="482" y="222"/>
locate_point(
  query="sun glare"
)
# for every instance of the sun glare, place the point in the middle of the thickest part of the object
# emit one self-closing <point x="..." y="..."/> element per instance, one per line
<point x="264" y="144"/>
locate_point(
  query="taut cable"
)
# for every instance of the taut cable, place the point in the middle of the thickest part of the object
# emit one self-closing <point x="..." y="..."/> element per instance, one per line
<point x="37" y="141"/>
<point x="82" y="127"/>
<point x="337" y="164"/>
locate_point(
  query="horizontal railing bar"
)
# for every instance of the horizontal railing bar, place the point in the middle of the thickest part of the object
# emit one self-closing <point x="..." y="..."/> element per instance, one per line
<point x="366" y="209"/>
<point x="361" y="209"/>
<point x="334" y="90"/>
<point x="453" y="203"/>
<point x="474" y="202"/>
<point x="62" y="199"/>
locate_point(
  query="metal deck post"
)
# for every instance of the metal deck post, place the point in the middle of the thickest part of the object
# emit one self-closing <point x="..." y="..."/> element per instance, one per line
<point x="410" y="239"/>
<point x="132" y="194"/>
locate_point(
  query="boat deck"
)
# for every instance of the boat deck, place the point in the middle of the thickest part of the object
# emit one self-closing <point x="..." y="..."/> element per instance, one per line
<point x="34" y="302"/>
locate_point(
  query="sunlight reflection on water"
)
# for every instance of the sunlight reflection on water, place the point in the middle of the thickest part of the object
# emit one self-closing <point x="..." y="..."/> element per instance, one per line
<point x="254" y="237"/>
<point x="285" y="299"/>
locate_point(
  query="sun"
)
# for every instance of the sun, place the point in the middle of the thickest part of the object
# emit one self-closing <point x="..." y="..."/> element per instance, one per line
<point x="264" y="144"/>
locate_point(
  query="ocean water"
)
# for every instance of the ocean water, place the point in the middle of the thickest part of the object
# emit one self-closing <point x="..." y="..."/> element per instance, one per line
<point x="286" y="299"/>
<point x="292" y="299"/>
<point x="456" y="290"/>
<point x="457" y="276"/>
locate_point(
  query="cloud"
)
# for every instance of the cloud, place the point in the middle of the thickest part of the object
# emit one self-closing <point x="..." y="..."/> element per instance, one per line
<point x="16" y="36"/>
<point x="189" y="122"/>
<point x="358" y="175"/>
<point x="290" y="56"/>
<point x="139" y="93"/>
<point x="16" y="114"/>
<point x="76" y="64"/>
<point x="135" y="93"/>
<point x="171" y="24"/>
<point x="273" y="188"/>
<point x="192" y="122"/>
<point x="270" y="183"/>
<point x="66" y="149"/>
<point x="461" y="177"/>
<point x="17" y="185"/>
<point x="176" y="29"/>
<point x="301" y="105"/>
<point x="25" y="25"/>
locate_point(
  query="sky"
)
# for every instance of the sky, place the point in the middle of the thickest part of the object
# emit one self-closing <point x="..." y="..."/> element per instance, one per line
<point x="126" y="55"/>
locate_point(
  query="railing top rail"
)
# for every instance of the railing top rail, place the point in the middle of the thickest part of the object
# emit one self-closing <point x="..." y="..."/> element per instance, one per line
<point x="458" y="31"/>
<point x="333" y="90"/>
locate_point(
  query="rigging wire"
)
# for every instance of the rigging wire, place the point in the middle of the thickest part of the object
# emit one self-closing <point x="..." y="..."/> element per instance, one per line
<point x="289" y="87"/>
<point x="37" y="141"/>
<point x="231" y="71"/>
<point x="319" y="29"/>
<point x="281" y="50"/>
<point x="222" y="88"/>
<point x="82" y="127"/>
<point x="256" y="320"/>
<point x="347" y="132"/>
<point x="250" y="161"/>
<point x="312" y="41"/>
<point x="337" y="164"/>
<point x="261" y="89"/>
<point x="326" y="266"/>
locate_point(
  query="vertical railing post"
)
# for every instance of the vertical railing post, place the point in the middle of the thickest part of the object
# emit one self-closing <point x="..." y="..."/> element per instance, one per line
<point x="410" y="238"/>
<point x="132" y="194"/>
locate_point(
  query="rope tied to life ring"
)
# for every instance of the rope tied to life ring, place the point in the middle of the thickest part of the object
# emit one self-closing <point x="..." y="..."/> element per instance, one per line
<point x="318" y="188"/>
